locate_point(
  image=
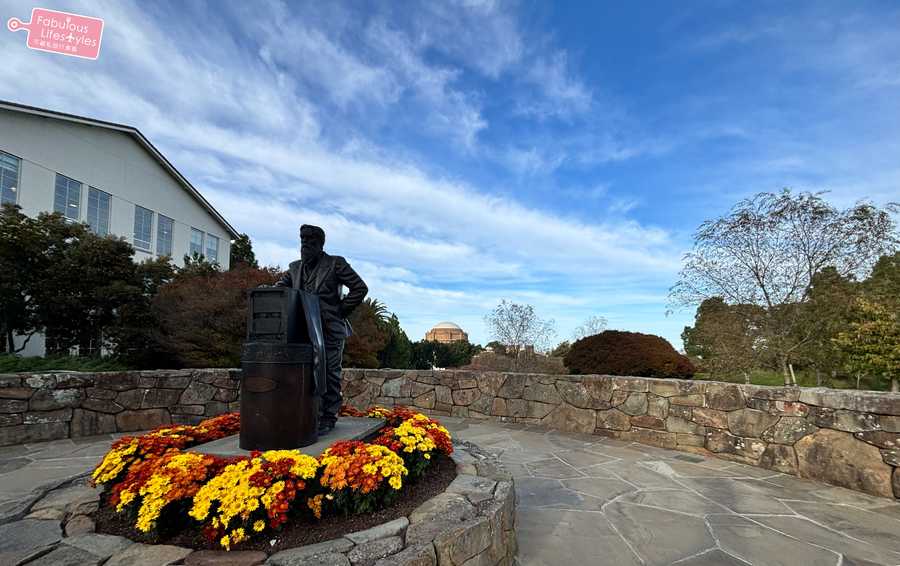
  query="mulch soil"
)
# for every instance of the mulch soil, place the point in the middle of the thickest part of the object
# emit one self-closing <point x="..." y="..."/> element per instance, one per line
<point x="297" y="533"/>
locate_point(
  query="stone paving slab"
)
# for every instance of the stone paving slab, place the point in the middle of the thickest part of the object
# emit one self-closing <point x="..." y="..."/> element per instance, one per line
<point x="582" y="499"/>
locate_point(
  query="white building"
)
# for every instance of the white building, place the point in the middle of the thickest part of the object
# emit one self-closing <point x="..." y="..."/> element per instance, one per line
<point x="112" y="178"/>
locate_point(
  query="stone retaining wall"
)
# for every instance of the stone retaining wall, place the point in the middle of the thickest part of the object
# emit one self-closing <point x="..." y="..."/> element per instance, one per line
<point x="49" y="406"/>
<point x="843" y="437"/>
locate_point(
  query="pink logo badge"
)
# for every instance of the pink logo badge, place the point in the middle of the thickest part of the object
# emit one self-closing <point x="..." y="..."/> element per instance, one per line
<point x="61" y="32"/>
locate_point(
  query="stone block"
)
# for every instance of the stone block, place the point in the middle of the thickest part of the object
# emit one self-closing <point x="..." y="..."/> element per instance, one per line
<point x="465" y="397"/>
<point x="215" y="408"/>
<point x="89" y="423"/>
<point x="779" y="457"/>
<point x="747" y="449"/>
<point x="881" y="439"/>
<point x="846" y="421"/>
<point x="681" y="411"/>
<point x="13" y="406"/>
<point x="443" y="395"/>
<point x="839" y="458"/>
<point x="710" y="417"/>
<point x="189" y="409"/>
<point x="16" y="392"/>
<point x="418" y="555"/>
<point x="724" y="397"/>
<point x="457" y="411"/>
<point x="896" y="483"/>
<point x="634" y="404"/>
<point x="177" y="381"/>
<point x="80" y="525"/>
<point x="750" y="422"/>
<point x="498" y="407"/>
<point x="197" y="393"/>
<point x="225" y="395"/>
<point x="390" y="529"/>
<point x="618" y="397"/>
<point x="891" y="457"/>
<point x="41" y="381"/>
<point x="489" y="382"/>
<point x="657" y="406"/>
<point x="425" y="400"/>
<point x="536" y="409"/>
<point x="644" y="421"/>
<point x="64" y="555"/>
<point x="773" y="393"/>
<point x="9" y="419"/>
<point x="692" y="440"/>
<point x="652" y="437"/>
<point x="99" y="393"/>
<point x="571" y="419"/>
<point x="687" y="400"/>
<point x="463" y="541"/>
<point x="102" y="406"/>
<point x="513" y="386"/>
<point x="149" y="555"/>
<point x="305" y="554"/>
<point x="41" y="417"/>
<point x="789" y="430"/>
<point x="638" y="384"/>
<point x="22" y="539"/>
<point x="684" y="426"/>
<point x="50" y="399"/>
<point x="861" y="401"/>
<point x="225" y="558"/>
<point x="369" y="552"/>
<point x="10" y="380"/>
<point x="116" y="381"/>
<point x="474" y="488"/>
<point x="593" y="393"/>
<point x="890" y="424"/>
<point x="542" y="392"/>
<point x="44" y="431"/>
<point x="142" y="419"/>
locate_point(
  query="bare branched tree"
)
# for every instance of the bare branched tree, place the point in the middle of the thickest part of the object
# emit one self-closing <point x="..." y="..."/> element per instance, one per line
<point x="593" y="325"/>
<point x="766" y="251"/>
<point x="517" y="326"/>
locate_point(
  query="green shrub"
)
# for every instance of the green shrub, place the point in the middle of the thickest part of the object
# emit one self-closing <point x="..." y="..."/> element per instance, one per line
<point x="627" y="353"/>
<point x="15" y="364"/>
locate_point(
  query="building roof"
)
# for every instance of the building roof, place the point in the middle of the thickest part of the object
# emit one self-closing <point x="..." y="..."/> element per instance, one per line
<point x="139" y="138"/>
<point x="446" y="324"/>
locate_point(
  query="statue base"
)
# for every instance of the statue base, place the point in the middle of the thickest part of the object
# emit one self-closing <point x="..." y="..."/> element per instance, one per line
<point x="347" y="428"/>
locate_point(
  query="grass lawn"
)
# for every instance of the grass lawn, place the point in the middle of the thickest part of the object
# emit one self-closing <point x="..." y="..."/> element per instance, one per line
<point x="15" y="364"/>
<point x="804" y="379"/>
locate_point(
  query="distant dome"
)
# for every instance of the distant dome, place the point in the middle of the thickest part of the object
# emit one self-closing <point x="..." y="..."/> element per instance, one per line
<point x="446" y="332"/>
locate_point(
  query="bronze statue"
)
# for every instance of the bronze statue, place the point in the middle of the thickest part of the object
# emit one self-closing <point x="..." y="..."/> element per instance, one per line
<point x="323" y="275"/>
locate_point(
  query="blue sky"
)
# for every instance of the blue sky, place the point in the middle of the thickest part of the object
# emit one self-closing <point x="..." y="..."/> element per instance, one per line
<point x="459" y="153"/>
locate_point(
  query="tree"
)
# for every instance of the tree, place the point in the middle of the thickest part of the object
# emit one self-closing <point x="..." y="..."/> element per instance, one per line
<point x="427" y="354"/>
<point x="724" y="337"/>
<point x="516" y="326"/>
<point x="203" y="316"/>
<point x="593" y="325"/>
<point x="135" y="337"/>
<point x="872" y="341"/>
<point x="828" y="310"/>
<point x="370" y="334"/>
<point x="561" y="349"/>
<point x="766" y="251"/>
<point x="91" y="280"/>
<point x="29" y="249"/>
<point x="242" y="252"/>
<point x="616" y="352"/>
<point x="397" y="351"/>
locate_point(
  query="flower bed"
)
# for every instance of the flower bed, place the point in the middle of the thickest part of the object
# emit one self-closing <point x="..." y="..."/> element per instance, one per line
<point x="162" y="489"/>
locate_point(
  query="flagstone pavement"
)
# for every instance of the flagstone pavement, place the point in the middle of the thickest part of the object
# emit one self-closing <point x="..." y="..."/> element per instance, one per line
<point x="589" y="500"/>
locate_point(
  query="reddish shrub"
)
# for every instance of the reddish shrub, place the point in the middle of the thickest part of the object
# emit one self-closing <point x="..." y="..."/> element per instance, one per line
<point x="627" y="353"/>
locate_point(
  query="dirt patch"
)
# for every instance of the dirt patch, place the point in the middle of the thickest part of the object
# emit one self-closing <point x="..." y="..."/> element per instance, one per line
<point x="297" y="533"/>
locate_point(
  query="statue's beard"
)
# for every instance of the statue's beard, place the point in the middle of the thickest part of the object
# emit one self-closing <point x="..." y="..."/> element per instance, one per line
<point x="310" y="254"/>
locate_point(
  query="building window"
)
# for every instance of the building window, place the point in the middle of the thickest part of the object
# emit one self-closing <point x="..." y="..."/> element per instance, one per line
<point x="9" y="178"/>
<point x="196" y="242"/>
<point x="98" y="211"/>
<point x="67" y="197"/>
<point x="164" y="228"/>
<point x="212" y="248"/>
<point x="143" y="227"/>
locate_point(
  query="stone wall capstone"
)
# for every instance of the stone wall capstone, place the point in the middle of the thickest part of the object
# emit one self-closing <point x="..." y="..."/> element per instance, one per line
<point x="843" y="437"/>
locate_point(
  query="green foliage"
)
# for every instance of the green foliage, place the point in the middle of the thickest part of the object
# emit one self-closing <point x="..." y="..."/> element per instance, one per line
<point x="370" y="334"/>
<point x="616" y="352"/>
<point x="561" y="349"/>
<point x="14" y="364"/>
<point x="427" y="354"/>
<point x="397" y="351"/>
<point x="724" y="338"/>
<point x="242" y="252"/>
